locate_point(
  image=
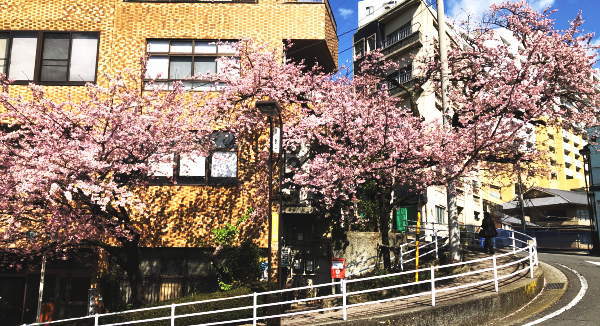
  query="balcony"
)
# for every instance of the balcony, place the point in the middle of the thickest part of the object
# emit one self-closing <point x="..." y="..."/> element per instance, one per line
<point x="403" y="79"/>
<point x="402" y="39"/>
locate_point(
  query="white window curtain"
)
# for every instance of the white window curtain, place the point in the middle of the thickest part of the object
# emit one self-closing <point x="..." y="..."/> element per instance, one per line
<point x="192" y="165"/>
<point x="157" y="67"/>
<point x="3" y="53"/>
<point x="158" y="46"/>
<point x="22" y="63"/>
<point x="83" y="58"/>
<point x="224" y="165"/>
<point x="161" y="165"/>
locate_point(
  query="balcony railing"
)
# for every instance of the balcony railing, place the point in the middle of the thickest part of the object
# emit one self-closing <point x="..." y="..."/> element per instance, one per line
<point x="402" y="77"/>
<point x="401" y="38"/>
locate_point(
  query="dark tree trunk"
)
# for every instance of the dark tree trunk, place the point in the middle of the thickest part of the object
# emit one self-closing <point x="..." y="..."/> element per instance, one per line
<point x="384" y="229"/>
<point x="134" y="274"/>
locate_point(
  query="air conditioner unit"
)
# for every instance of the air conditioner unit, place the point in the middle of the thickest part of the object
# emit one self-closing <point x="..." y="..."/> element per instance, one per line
<point x="389" y="5"/>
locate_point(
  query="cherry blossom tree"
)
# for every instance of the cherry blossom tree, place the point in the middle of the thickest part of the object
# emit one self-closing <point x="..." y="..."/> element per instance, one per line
<point x="513" y="71"/>
<point x="70" y="169"/>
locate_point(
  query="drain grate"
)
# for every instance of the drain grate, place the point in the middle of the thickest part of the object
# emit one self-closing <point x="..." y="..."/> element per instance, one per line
<point x="555" y="286"/>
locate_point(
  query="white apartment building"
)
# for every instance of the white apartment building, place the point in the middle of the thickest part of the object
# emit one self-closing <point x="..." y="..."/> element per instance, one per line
<point x="403" y="30"/>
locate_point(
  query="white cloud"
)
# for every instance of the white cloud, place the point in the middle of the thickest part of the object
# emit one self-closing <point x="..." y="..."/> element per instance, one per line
<point x="594" y="42"/>
<point x="345" y="12"/>
<point x="474" y="9"/>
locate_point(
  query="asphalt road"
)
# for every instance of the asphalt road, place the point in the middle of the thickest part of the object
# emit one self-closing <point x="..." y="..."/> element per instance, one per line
<point x="581" y="306"/>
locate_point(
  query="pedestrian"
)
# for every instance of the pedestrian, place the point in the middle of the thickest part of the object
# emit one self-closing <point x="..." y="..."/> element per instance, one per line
<point x="488" y="231"/>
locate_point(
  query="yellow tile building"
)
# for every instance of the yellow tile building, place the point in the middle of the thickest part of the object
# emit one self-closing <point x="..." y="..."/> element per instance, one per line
<point x="63" y="44"/>
<point x="121" y="29"/>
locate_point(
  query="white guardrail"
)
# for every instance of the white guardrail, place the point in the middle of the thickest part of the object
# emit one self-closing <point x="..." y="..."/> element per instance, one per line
<point x="521" y="247"/>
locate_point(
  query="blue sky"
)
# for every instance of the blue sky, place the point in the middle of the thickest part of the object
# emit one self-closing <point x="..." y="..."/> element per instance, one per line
<point x="345" y="15"/>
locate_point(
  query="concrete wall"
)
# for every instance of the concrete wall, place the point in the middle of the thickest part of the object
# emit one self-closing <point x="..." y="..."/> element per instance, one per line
<point x="361" y="251"/>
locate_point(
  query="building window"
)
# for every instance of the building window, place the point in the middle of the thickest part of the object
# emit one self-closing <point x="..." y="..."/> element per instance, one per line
<point x="440" y="214"/>
<point x="553" y="176"/>
<point x="193" y="62"/>
<point x="220" y="167"/>
<point x="359" y="48"/>
<point x="371" y="43"/>
<point x="52" y="58"/>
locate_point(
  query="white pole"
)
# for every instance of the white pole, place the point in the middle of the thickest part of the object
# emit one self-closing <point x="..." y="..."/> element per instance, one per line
<point x="436" y="245"/>
<point x="495" y="273"/>
<point x="344" y="309"/>
<point x="432" y="280"/>
<point x="401" y="258"/>
<point x="254" y="308"/>
<point x="41" y="289"/>
<point x="514" y="246"/>
<point x="453" y="230"/>
<point x="531" y="261"/>
<point x="96" y="319"/>
<point x="173" y="314"/>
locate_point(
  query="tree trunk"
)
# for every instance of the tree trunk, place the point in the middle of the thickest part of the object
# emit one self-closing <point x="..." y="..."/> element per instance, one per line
<point x="453" y="229"/>
<point x="134" y="274"/>
<point x="384" y="229"/>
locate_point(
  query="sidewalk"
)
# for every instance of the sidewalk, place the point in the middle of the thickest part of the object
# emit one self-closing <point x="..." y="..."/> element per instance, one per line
<point x="418" y="303"/>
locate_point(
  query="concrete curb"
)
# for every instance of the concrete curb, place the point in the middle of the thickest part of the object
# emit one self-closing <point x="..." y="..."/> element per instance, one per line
<point x="476" y="310"/>
<point x="549" y="296"/>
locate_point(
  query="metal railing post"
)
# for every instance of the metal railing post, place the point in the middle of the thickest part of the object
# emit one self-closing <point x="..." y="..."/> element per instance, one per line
<point x="436" y="245"/>
<point x="495" y="273"/>
<point x="531" y="261"/>
<point x="344" y="308"/>
<point x="254" y="308"/>
<point x="96" y="320"/>
<point x="173" y="314"/>
<point x="514" y="246"/>
<point x="401" y="258"/>
<point x="432" y="280"/>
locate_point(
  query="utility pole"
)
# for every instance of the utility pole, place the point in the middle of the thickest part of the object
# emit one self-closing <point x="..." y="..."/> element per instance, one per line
<point x="453" y="229"/>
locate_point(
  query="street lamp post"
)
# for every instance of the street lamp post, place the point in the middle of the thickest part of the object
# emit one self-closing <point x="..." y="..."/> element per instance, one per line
<point x="271" y="109"/>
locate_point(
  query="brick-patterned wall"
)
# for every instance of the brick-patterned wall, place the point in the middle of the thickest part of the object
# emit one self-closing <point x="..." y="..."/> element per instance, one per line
<point x="180" y="216"/>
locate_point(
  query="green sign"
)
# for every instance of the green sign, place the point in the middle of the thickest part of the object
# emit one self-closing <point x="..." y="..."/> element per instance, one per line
<point x="401" y="219"/>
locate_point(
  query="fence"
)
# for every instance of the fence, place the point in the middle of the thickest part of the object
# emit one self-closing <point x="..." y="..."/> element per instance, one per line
<point x="522" y="251"/>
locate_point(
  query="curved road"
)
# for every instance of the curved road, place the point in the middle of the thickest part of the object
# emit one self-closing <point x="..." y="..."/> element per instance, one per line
<point x="583" y="306"/>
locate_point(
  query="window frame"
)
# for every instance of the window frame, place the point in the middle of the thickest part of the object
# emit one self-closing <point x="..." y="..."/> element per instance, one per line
<point x="361" y="43"/>
<point x="207" y="180"/>
<point x="371" y="37"/>
<point x="39" y="49"/>
<point x="439" y="208"/>
<point x="193" y="55"/>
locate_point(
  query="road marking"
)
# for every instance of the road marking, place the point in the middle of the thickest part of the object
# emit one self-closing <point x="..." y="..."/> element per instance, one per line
<point x="593" y="262"/>
<point x="578" y="297"/>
